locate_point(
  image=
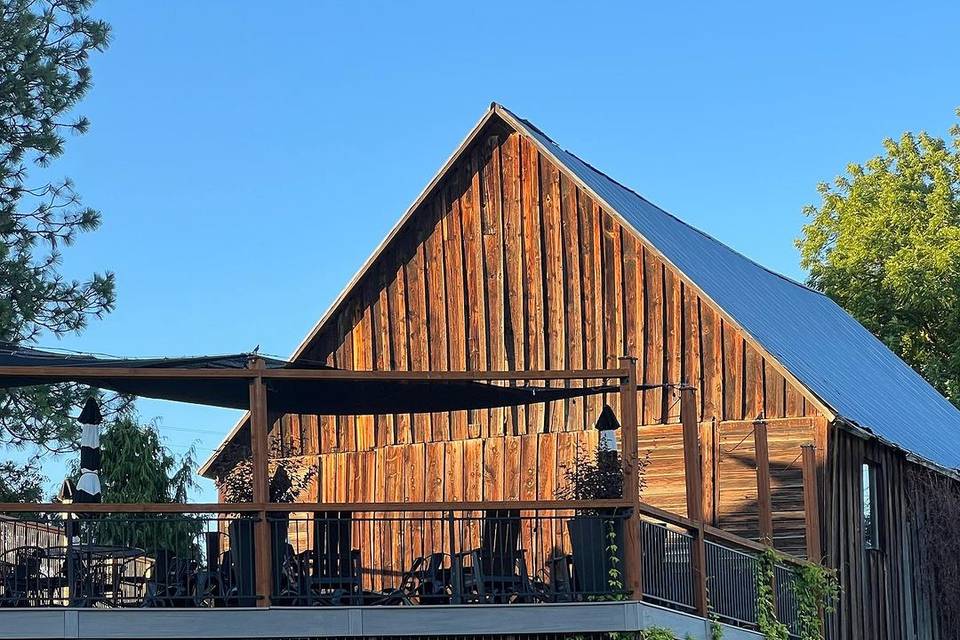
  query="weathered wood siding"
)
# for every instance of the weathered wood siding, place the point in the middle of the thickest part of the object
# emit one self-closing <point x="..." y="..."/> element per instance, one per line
<point x="508" y="265"/>
<point x="883" y="594"/>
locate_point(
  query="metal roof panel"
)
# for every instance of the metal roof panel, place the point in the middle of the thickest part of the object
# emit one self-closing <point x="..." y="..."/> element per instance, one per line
<point x="811" y="336"/>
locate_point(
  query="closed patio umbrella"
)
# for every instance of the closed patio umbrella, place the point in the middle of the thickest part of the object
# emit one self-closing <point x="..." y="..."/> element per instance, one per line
<point x="88" y="487"/>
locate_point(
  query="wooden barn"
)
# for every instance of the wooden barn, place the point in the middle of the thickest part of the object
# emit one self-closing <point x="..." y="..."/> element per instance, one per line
<point x="520" y="256"/>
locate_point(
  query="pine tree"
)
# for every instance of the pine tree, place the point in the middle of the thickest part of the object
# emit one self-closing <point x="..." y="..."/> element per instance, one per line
<point x="44" y="50"/>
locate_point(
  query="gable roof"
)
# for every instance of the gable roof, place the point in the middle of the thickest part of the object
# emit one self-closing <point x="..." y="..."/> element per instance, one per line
<point x="835" y="360"/>
<point x="826" y="350"/>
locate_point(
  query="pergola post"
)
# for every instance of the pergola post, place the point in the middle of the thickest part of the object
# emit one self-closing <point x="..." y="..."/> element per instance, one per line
<point x="811" y="503"/>
<point x="260" y="454"/>
<point x="629" y="419"/>
<point x="764" y="498"/>
<point x="693" y="476"/>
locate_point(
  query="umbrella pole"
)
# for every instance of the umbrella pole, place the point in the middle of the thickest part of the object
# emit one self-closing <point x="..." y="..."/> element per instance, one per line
<point x="88" y="487"/>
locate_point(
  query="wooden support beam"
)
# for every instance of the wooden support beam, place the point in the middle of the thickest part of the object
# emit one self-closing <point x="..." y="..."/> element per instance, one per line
<point x="764" y="498"/>
<point x="694" y="488"/>
<point x="629" y="420"/>
<point x="57" y="374"/>
<point x="811" y="503"/>
<point x="260" y="455"/>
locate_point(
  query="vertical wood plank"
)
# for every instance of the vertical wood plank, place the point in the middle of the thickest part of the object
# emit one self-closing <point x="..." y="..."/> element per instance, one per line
<point x="546" y="466"/>
<point x="476" y="277"/>
<point x="555" y="342"/>
<point x="511" y="468"/>
<point x="417" y="326"/>
<point x="573" y="317"/>
<point x="514" y="271"/>
<point x="493" y="469"/>
<point x="710" y="364"/>
<point x="363" y="361"/>
<point x="437" y="308"/>
<point x="754" y="395"/>
<point x="532" y="238"/>
<point x="492" y="231"/>
<point x="399" y="341"/>
<point x="691" y="347"/>
<point x="592" y="270"/>
<point x="732" y="373"/>
<point x="773" y="392"/>
<point x="673" y="307"/>
<point x="385" y="423"/>
<point x="453" y="487"/>
<point x="473" y="469"/>
<point x="654" y="366"/>
<point x="455" y="280"/>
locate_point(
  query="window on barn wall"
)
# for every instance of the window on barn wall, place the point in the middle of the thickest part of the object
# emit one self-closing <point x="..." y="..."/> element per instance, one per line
<point x="871" y="507"/>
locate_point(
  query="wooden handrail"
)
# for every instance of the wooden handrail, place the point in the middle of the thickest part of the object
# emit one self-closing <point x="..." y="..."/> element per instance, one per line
<point x="648" y="510"/>
<point x="306" y="507"/>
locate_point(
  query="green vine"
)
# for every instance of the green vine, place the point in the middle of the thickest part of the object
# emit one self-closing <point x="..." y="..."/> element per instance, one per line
<point x="716" y="629"/>
<point x="816" y="589"/>
<point x="657" y="633"/>
<point x="767" y="622"/>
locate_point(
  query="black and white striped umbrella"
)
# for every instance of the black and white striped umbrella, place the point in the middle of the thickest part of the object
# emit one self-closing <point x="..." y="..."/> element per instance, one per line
<point x="88" y="487"/>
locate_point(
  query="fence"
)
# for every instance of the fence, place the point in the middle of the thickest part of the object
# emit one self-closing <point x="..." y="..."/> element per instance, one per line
<point x="409" y="554"/>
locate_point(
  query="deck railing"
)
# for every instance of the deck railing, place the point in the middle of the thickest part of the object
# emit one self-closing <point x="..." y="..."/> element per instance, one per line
<point x="386" y="554"/>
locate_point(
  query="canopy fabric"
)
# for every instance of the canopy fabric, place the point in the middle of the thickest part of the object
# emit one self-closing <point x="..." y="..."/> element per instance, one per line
<point x="306" y="396"/>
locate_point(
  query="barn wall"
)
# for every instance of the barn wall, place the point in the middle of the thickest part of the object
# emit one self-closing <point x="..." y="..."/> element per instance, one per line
<point x="883" y="594"/>
<point x="508" y="265"/>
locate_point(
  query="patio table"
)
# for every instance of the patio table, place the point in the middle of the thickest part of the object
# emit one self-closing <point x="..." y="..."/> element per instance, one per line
<point x="96" y="559"/>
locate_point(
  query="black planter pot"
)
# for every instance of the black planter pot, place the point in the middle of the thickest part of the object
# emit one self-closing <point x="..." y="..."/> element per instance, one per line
<point x="589" y="537"/>
<point x="243" y="570"/>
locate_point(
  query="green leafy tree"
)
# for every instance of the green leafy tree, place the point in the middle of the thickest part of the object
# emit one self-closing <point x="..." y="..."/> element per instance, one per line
<point x="884" y="242"/>
<point x="137" y="467"/>
<point x="44" y="72"/>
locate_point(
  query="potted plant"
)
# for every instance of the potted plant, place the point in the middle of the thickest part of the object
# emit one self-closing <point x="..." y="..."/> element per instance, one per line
<point x="289" y="478"/>
<point x="596" y="535"/>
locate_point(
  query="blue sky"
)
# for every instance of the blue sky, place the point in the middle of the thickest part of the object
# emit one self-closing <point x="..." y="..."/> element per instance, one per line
<point x="247" y="160"/>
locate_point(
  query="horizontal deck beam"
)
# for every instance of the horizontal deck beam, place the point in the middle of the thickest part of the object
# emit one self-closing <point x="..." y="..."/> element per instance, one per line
<point x="99" y="373"/>
<point x="137" y="624"/>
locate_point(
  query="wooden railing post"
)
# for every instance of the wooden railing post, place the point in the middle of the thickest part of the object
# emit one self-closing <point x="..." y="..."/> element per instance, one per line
<point x="694" y="489"/>
<point x="811" y="503"/>
<point x="629" y="420"/>
<point x="764" y="499"/>
<point x="260" y="461"/>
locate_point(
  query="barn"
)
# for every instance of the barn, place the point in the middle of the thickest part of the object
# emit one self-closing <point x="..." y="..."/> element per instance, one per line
<point x="519" y="255"/>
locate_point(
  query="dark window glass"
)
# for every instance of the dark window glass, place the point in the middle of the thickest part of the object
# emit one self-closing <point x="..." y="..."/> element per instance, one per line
<point x="871" y="510"/>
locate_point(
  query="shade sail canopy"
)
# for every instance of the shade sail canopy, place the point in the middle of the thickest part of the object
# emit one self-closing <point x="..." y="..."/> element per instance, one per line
<point x="154" y="378"/>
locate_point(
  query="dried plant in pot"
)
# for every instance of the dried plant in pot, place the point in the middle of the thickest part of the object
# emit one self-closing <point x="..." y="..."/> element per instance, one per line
<point x="289" y="479"/>
<point x="596" y="535"/>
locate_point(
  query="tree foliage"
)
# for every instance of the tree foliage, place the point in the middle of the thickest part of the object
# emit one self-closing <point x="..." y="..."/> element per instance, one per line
<point x="137" y="467"/>
<point x="21" y="482"/>
<point x="44" y="50"/>
<point x="289" y="477"/>
<point x="884" y="243"/>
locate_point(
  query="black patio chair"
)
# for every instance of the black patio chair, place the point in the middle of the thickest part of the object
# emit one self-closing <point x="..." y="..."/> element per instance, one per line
<point x="332" y="568"/>
<point x="496" y="572"/>
<point x="427" y="582"/>
<point x="171" y="582"/>
<point x="22" y="578"/>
